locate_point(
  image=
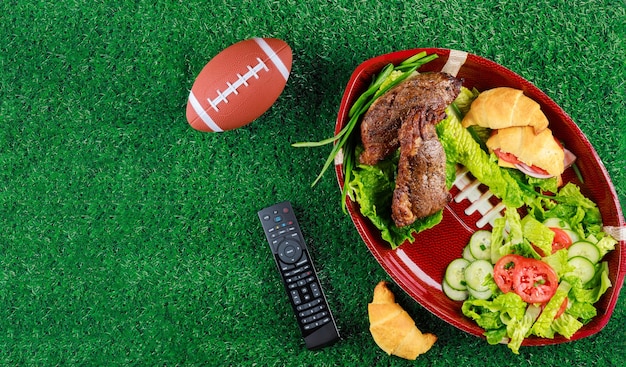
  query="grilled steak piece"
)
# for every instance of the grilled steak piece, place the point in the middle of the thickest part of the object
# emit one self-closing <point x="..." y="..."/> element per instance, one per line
<point x="382" y="121"/>
<point x="405" y="117"/>
<point x="421" y="182"/>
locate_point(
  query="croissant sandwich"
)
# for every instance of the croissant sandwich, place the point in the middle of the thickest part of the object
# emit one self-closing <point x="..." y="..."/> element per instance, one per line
<point x="502" y="107"/>
<point x="540" y="150"/>
<point x="520" y="136"/>
<point x="392" y="328"/>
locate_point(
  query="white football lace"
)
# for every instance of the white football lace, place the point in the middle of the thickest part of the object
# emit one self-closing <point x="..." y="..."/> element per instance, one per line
<point x="470" y="189"/>
<point x="242" y="80"/>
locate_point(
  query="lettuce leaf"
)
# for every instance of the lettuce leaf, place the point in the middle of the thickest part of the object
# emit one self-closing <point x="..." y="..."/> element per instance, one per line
<point x="506" y="234"/>
<point x="571" y="205"/>
<point x="462" y="148"/>
<point x="507" y="315"/>
<point x="494" y="314"/>
<point x="543" y="184"/>
<point x="538" y="234"/>
<point x="566" y="325"/>
<point x="372" y="187"/>
<point x="558" y="262"/>
<point x="582" y="310"/>
<point x="595" y="288"/>
<point x="519" y="329"/>
<point x="496" y="336"/>
<point x="606" y="244"/>
<point x="543" y="325"/>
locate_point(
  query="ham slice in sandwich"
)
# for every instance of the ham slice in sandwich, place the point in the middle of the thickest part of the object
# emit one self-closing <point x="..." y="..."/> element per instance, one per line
<point x="540" y="150"/>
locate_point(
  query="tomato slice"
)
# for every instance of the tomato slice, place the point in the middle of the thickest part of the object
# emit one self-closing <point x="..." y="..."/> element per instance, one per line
<point x="561" y="239"/>
<point x="535" y="281"/>
<point x="529" y="170"/>
<point x="507" y="157"/>
<point x="562" y="308"/>
<point x="504" y="270"/>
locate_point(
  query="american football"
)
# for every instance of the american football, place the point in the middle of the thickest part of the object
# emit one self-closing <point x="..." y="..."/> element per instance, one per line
<point x="239" y="84"/>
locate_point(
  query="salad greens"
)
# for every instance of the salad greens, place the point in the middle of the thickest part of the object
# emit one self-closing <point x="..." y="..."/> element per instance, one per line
<point x="372" y="187"/>
<point x="513" y="234"/>
<point x="505" y="317"/>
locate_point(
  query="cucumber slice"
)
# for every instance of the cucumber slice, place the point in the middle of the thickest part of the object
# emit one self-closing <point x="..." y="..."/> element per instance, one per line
<point x="585" y="249"/>
<point x="480" y="294"/>
<point x="583" y="268"/>
<point x="455" y="274"/>
<point x="453" y="294"/>
<point x="556" y="222"/>
<point x="476" y="274"/>
<point x="572" y="235"/>
<point x="480" y="245"/>
<point x="467" y="254"/>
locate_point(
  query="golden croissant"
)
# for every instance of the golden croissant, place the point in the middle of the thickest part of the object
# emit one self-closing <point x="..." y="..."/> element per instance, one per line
<point x="393" y="329"/>
<point x="503" y="107"/>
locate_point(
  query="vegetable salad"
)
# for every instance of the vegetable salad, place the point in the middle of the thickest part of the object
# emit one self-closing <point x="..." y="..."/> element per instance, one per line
<point x="539" y="274"/>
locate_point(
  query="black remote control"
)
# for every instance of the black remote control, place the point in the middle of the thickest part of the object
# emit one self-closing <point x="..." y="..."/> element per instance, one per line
<point x="299" y="276"/>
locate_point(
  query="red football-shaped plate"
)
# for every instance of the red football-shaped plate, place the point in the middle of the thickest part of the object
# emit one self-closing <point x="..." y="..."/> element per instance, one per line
<point x="418" y="267"/>
<point x="239" y="84"/>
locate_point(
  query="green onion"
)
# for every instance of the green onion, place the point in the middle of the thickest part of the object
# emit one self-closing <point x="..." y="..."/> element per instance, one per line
<point x="413" y="58"/>
<point x="345" y="137"/>
<point x="577" y="172"/>
<point x="372" y="89"/>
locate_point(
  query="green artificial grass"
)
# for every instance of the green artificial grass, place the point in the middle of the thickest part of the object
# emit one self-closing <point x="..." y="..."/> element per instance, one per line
<point x="128" y="238"/>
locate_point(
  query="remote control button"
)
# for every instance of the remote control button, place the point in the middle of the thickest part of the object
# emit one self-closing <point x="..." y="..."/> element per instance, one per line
<point x="296" y="270"/>
<point x="315" y="290"/>
<point x="303" y="261"/>
<point x="311" y="311"/>
<point x="316" y="324"/>
<point x="289" y="251"/>
<point x="278" y="219"/>
<point x="295" y="296"/>
<point x="308" y="305"/>
<point x="301" y="277"/>
<point x="316" y="317"/>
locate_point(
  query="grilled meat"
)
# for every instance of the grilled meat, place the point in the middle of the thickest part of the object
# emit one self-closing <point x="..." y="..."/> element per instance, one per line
<point x="405" y="117"/>
<point x="421" y="182"/>
<point x="382" y="121"/>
